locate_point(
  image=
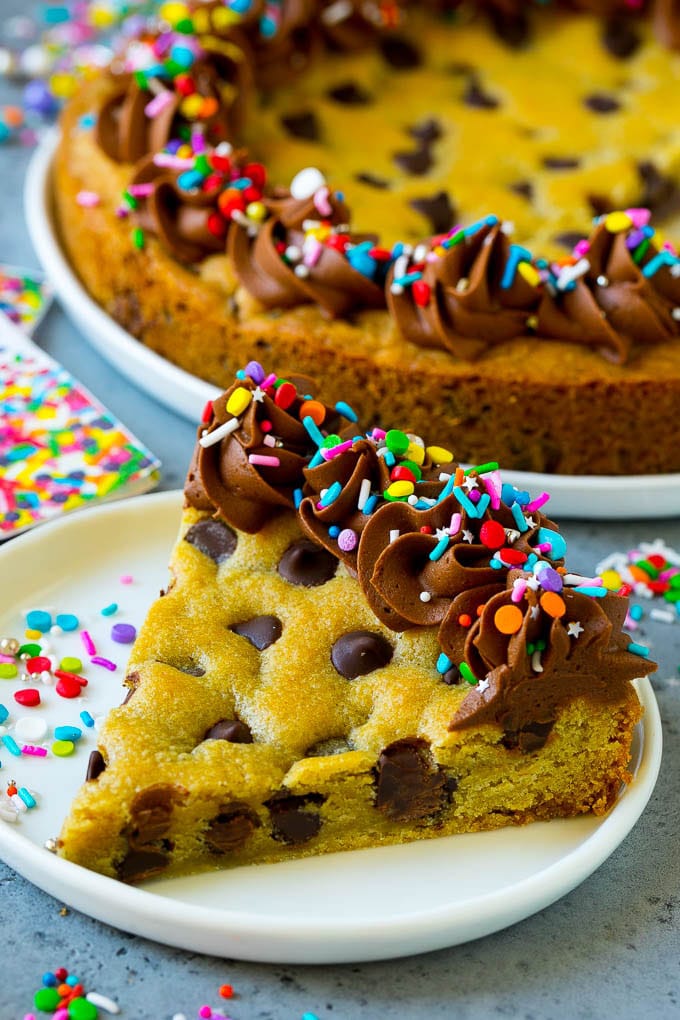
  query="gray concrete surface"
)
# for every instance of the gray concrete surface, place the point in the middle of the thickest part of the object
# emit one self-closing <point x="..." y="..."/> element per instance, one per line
<point x="609" y="949"/>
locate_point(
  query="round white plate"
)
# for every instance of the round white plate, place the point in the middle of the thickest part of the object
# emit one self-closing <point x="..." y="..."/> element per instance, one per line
<point x="580" y="497"/>
<point x="363" y="905"/>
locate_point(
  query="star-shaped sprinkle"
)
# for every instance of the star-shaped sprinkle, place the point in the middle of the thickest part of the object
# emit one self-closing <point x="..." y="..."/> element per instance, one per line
<point x="533" y="583"/>
<point x="471" y="483"/>
<point x="468" y="536"/>
<point x="530" y="521"/>
<point x="483" y="685"/>
<point x="535" y="610"/>
<point x="259" y="394"/>
<point x="575" y="629"/>
<point x="441" y="533"/>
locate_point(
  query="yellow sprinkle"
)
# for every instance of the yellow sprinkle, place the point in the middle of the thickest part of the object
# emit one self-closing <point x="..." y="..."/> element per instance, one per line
<point x="63" y="748"/>
<point x="439" y="251"/>
<point x="33" y="635"/>
<point x="400" y="489"/>
<point x="191" y="106"/>
<point x="439" y="455"/>
<point x="201" y="21"/>
<point x="611" y="579"/>
<point x="238" y="401"/>
<point x="529" y="273"/>
<point x="223" y="18"/>
<point x="616" y="222"/>
<point x="173" y="12"/>
<point x="184" y="152"/>
<point x="62" y="85"/>
<point x="256" y="211"/>
<point x="415" y="453"/>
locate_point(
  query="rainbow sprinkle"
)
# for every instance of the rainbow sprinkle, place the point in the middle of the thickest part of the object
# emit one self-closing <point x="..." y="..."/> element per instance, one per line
<point x="25" y="296"/>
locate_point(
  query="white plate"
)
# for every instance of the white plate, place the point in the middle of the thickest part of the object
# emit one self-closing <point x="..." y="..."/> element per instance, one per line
<point x="364" y="905"/>
<point x="580" y="497"/>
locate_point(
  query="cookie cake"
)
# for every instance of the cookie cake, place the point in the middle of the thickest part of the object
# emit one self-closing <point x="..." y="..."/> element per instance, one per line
<point x="361" y="644"/>
<point x="451" y="211"/>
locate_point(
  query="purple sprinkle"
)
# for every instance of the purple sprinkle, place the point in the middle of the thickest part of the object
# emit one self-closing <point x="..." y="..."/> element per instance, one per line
<point x="347" y="540"/>
<point x="255" y="370"/>
<point x="123" y="633"/>
<point x="550" y="580"/>
<point x="99" y="660"/>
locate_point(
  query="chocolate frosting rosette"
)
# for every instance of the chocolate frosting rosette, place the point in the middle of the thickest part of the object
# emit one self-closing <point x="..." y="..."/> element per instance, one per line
<point x="466" y="292"/>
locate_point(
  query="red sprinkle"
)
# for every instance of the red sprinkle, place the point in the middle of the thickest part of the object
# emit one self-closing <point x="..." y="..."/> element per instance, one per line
<point x="492" y="534"/>
<point x="426" y="529"/>
<point x="657" y="561"/>
<point x="62" y="674"/>
<point x="29" y="697"/>
<point x="421" y="293"/>
<point x="285" y="395"/>
<point x="207" y="413"/>
<point x="38" y="664"/>
<point x="512" y="556"/>
<point x="402" y="474"/>
<point x="226" y="991"/>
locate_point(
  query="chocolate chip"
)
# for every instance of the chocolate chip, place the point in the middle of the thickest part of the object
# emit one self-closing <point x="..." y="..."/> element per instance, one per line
<point x="261" y="631"/>
<point x="335" y="745"/>
<point x="620" y="37"/>
<point x="599" y="102"/>
<point x="399" y="53"/>
<point x="189" y="667"/>
<point x="513" y="29"/>
<point x="233" y="730"/>
<point x="302" y="125"/>
<point x="213" y="538"/>
<point x="476" y="97"/>
<point x="291" y="823"/>
<point x="452" y="676"/>
<point x="569" y="239"/>
<point x="437" y="209"/>
<point x="231" y="829"/>
<point x="360" y="652"/>
<point x="415" y="163"/>
<point x="140" y="864"/>
<point x="307" y="564"/>
<point x="523" y="188"/>
<point x="151" y="811"/>
<point x="561" y="162"/>
<point x="372" y="180"/>
<point x="426" y="131"/>
<point x="95" y="766"/>
<point x="529" y="738"/>
<point x="349" y="94"/>
<point x="409" y="784"/>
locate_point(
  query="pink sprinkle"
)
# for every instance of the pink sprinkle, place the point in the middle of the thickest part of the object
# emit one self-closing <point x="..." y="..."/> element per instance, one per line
<point x="99" y="660"/>
<point x="582" y="248"/>
<point x="35" y="752"/>
<point x="141" y="190"/>
<point x="173" y="162"/>
<point x="543" y="547"/>
<point x="269" y="381"/>
<point x="205" y="1012"/>
<point x="264" y="461"/>
<point x="159" y="103"/>
<point x="313" y="252"/>
<point x="269" y="441"/>
<point x="454" y="526"/>
<point x="518" y="589"/>
<point x="126" y="579"/>
<point x="335" y="450"/>
<point x="493" y="493"/>
<point x="7" y="658"/>
<point x="537" y="503"/>
<point x="61" y="1014"/>
<point x="88" y="643"/>
<point x="88" y="199"/>
<point x="347" y="539"/>
<point x="198" y="142"/>
<point x="321" y="202"/>
<point x="640" y="217"/>
<point x="378" y="433"/>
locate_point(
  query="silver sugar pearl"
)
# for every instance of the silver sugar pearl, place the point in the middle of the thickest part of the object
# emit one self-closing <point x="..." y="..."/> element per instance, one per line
<point x="602" y="281"/>
<point x="51" y="845"/>
<point x="9" y="646"/>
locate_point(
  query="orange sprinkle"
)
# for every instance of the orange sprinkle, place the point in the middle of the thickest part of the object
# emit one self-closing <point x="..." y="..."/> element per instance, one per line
<point x="465" y="620"/>
<point x="638" y="573"/>
<point x="459" y="476"/>
<point x="315" y="410"/>
<point x="226" y="991"/>
<point x="553" y="604"/>
<point x="508" y="619"/>
<point x="480" y="609"/>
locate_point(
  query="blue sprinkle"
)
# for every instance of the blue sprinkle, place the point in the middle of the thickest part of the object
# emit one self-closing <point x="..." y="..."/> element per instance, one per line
<point x="398" y="249"/>
<point x="313" y="430"/>
<point x="182" y="55"/>
<point x="495" y="563"/>
<point x="4" y="713"/>
<point x="189" y="179"/>
<point x="316" y="459"/>
<point x="88" y="120"/>
<point x="447" y="490"/>
<point x="87" y="719"/>
<point x="72" y="980"/>
<point x="559" y="546"/>
<point x="346" y="411"/>
<point x="110" y="609"/>
<point x="49" y="980"/>
<point x="519" y="517"/>
<point x="443" y="663"/>
<point x="297" y="498"/>
<point x="67" y="621"/>
<point x="28" y="798"/>
<point x="465" y="501"/>
<point x="517" y="255"/>
<point x="595" y="591"/>
<point x="268" y="27"/>
<point x="481" y="504"/>
<point x="68" y="733"/>
<point x="370" y="504"/>
<point x="637" y="649"/>
<point x="334" y="531"/>
<point x="331" y="494"/>
<point x="390" y="459"/>
<point x="532" y="560"/>
<point x="241" y="374"/>
<point x="240" y="6"/>
<point x="38" y="620"/>
<point x="440" y="548"/>
<point x="486" y="221"/>
<point x="11" y="745"/>
<point x="508" y="494"/>
<point x="637" y="612"/>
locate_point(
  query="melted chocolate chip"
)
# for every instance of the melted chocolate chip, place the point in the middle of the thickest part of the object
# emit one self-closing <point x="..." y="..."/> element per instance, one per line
<point x="189" y="667"/>
<point x="335" y="745"/>
<point x="360" y="652"/>
<point x="561" y="162"/>
<point x="350" y="94"/>
<point x="372" y="180"/>
<point x="452" y="676"/>
<point x="233" y="730"/>
<point x="409" y="785"/>
<point x="399" y="53"/>
<point x="476" y="97"/>
<point x="620" y="37"/>
<point x="426" y="131"/>
<point x="660" y="193"/>
<point x="291" y="823"/>
<point x="151" y="810"/>
<point x="140" y="864"/>
<point x="513" y="29"/>
<point x="302" y="125"/>
<point x="95" y="766"/>
<point x="523" y="188"/>
<point x="213" y="538"/>
<point x="529" y="738"/>
<point x="231" y="829"/>
<point x="415" y="163"/>
<point x="307" y="564"/>
<point x="437" y="209"/>
<point x="569" y="239"/>
<point x="261" y="631"/>
<point x="599" y="102"/>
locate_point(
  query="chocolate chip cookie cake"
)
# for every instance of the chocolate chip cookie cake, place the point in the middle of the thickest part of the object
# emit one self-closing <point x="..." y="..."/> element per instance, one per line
<point x="361" y="644"/>
<point x="511" y="169"/>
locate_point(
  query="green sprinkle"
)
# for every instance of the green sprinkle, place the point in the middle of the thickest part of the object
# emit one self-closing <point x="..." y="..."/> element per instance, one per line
<point x="672" y="595"/>
<point x="397" y="442"/>
<point x="641" y="251"/>
<point x="411" y="466"/>
<point x="138" y="238"/>
<point x="331" y="441"/>
<point x="648" y="568"/>
<point x="71" y="664"/>
<point x="467" y="673"/>
<point x="140" y="78"/>
<point x="483" y="469"/>
<point x="130" y="200"/>
<point x="8" y="670"/>
<point x="30" y="649"/>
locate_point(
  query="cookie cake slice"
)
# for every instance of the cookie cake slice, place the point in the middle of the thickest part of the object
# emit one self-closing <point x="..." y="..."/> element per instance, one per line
<point x="360" y="644"/>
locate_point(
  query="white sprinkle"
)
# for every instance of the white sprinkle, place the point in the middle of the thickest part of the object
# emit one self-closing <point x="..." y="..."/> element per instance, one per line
<point x="676" y="314"/>
<point x="507" y="228"/>
<point x="396" y="288"/>
<point x="571" y="273"/>
<point x="425" y="596"/>
<point x="511" y="535"/>
<point x="224" y="149"/>
<point x="293" y="253"/>
<point x="420" y="253"/>
<point x="444" y="476"/>
<point x="394" y="535"/>
<point x="30" y="729"/>
<point x="536" y="662"/>
<point x="602" y="281"/>
<point x="301" y="270"/>
<point x="364" y="493"/>
<point x="664" y="615"/>
<point x="592" y="582"/>
<point x="412" y="499"/>
<point x="337" y="12"/>
<point x="102" y="1002"/>
<point x="210" y="438"/>
<point x="269" y="441"/>
<point x="306" y="182"/>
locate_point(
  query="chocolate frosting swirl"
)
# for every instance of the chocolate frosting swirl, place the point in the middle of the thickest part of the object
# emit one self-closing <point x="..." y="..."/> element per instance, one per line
<point x="584" y="655"/>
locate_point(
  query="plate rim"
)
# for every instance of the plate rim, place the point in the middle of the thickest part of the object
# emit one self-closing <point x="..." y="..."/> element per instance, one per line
<point x="183" y="924"/>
